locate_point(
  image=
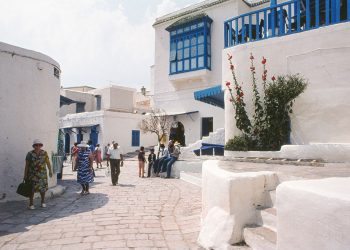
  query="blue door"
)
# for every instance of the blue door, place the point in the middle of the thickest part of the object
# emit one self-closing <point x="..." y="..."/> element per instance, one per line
<point x="79" y="136"/>
<point x="67" y="143"/>
<point x="94" y="135"/>
<point x="135" y="138"/>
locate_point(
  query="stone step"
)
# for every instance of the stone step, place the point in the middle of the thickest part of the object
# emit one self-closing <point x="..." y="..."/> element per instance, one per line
<point x="193" y="178"/>
<point x="267" y="217"/>
<point x="260" y="238"/>
<point x="273" y="197"/>
<point x="269" y="200"/>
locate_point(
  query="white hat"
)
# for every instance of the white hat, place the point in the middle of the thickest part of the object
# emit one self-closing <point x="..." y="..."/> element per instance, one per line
<point x="83" y="144"/>
<point x="37" y="141"/>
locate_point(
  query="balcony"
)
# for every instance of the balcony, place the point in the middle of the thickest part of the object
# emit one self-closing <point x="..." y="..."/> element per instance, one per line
<point x="284" y="19"/>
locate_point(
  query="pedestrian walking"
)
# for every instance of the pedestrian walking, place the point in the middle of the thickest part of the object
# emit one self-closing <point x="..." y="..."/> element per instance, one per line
<point x="151" y="161"/>
<point x="142" y="159"/>
<point x="74" y="154"/>
<point x="98" y="155"/>
<point x="116" y="160"/>
<point x="85" y="174"/>
<point x="35" y="172"/>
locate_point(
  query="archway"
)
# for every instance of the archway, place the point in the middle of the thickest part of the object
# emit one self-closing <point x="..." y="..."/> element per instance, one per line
<point x="177" y="133"/>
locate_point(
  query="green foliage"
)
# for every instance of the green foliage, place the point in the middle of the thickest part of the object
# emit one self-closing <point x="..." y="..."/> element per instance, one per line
<point x="279" y="99"/>
<point x="270" y="126"/>
<point x="239" y="143"/>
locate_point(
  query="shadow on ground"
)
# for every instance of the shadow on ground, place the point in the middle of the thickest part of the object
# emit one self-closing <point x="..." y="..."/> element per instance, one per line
<point x="15" y="217"/>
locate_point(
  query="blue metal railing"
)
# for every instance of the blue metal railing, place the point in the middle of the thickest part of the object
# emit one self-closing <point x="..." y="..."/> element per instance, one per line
<point x="283" y="19"/>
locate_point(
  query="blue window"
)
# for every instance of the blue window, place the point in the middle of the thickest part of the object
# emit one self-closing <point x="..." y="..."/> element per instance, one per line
<point x="190" y="45"/>
<point x="135" y="138"/>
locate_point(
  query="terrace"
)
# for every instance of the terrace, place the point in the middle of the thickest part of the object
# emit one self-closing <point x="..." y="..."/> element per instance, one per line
<point x="284" y="19"/>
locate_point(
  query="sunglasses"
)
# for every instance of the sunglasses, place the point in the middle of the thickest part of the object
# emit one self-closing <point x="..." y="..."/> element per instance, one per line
<point x="38" y="145"/>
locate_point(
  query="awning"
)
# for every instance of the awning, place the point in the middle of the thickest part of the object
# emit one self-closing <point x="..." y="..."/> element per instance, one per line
<point x="79" y="126"/>
<point x="181" y="113"/>
<point x="213" y="96"/>
<point x="188" y="19"/>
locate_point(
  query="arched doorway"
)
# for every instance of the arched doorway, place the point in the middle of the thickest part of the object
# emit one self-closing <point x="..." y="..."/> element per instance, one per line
<point x="177" y="133"/>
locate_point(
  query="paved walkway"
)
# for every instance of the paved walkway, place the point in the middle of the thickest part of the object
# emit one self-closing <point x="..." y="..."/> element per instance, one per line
<point x="140" y="213"/>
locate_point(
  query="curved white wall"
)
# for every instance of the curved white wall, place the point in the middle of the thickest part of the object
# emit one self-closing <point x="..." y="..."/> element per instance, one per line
<point x="29" y="109"/>
<point x="321" y="114"/>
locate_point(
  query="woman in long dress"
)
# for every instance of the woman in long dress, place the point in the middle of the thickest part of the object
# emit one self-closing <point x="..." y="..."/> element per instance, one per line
<point x="35" y="172"/>
<point x="98" y="155"/>
<point x="85" y="174"/>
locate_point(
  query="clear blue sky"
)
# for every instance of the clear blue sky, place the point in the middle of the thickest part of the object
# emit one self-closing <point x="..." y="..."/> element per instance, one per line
<point x="96" y="42"/>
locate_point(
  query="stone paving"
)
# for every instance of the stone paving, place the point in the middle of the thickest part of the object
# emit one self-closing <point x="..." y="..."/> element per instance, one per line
<point x="140" y="213"/>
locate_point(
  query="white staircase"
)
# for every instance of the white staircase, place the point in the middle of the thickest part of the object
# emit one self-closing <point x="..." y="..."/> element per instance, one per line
<point x="217" y="137"/>
<point x="263" y="236"/>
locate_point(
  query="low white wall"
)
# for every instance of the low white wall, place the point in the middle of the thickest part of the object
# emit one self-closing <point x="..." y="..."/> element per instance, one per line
<point x="186" y="166"/>
<point x="321" y="114"/>
<point x="235" y="194"/>
<point x="314" y="214"/>
<point x="339" y="152"/>
<point x="29" y="109"/>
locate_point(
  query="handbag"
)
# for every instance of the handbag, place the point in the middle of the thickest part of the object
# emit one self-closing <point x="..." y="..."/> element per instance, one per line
<point x="25" y="188"/>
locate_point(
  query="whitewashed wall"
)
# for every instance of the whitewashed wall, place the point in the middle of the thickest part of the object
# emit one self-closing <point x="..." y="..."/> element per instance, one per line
<point x="118" y="126"/>
<point x="321" y="114"/>
<point x="116" y="98"/>
<point x="29" y="109"/>
<point x="113" y="126"/>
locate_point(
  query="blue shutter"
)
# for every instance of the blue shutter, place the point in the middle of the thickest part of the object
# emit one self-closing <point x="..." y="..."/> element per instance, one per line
<point x="135" y="138"/>
<point x="94" y="135"/>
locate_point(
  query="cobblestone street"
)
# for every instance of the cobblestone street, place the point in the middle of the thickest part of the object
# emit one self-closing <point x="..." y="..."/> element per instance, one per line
<point x="140" y="213"/>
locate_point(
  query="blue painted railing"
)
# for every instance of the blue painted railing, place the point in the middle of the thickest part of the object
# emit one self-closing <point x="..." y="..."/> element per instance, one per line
<point x="283" y="19"/>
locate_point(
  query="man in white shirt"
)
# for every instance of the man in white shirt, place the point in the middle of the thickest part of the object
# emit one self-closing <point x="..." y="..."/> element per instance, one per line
<point x="116" y="160"/>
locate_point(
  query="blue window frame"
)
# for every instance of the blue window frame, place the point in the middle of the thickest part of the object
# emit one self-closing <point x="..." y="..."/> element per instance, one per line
<point x="135" y="138"/>
<point x="190" y="45"/>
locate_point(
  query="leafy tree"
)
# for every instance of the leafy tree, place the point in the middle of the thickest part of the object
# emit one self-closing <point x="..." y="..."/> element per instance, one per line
<point x="157" y="122"/>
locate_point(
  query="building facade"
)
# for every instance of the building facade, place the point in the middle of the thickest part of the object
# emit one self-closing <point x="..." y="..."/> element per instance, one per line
<point x="104" y="115"/>
<point x="188" y="47"/>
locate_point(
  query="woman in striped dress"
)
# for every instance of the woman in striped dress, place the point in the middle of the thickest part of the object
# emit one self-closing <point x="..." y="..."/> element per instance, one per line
<point x="85" y="174"/>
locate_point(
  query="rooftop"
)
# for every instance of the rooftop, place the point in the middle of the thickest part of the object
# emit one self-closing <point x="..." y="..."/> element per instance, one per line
<point x="200" y="7"/>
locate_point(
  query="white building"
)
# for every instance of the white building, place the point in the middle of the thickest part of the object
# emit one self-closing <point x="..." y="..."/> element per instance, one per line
<point x="188" y="66"/>
<point x="318" y="49"/>
<point x="270" y="209"/>
<point x="105" y="115"/>
<point x="29" y="108"/>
